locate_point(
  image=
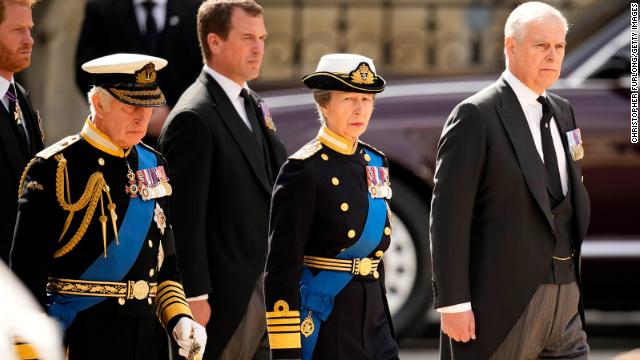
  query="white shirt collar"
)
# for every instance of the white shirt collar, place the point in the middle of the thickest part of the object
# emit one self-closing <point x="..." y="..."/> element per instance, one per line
<point x="230" y="87"/>
<point x="4" y="86"/>
<point x="525" y="95"/>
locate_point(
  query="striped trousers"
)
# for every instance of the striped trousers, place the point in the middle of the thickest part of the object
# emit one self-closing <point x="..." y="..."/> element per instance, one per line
<point x="549" y="328"/>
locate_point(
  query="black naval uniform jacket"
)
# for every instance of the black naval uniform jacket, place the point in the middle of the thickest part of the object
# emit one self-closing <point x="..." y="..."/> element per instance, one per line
<point x="319" y="208"/>
<point x="113" y="328"/>
<point x="15" y="153"/>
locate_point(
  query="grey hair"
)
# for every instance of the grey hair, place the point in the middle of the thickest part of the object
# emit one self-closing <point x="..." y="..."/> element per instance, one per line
<point x="532" y="11"/>
<point x="321" y="98"/>
<point x="105" y="98"/>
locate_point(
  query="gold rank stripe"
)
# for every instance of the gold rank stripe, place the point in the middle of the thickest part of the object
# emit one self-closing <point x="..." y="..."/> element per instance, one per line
<point x="167" y="286"/>
<point x="164" y="303"/>
<point x="285" y="341"/>
<point x="174" y="309"/>
<point x="283" y="321"/>
<point x="329" y="261"/>
<point x="279" y="314"/>
<point x="25" y="352"/>
<point x="283" y="329"/>
<point x="170" y="291"/>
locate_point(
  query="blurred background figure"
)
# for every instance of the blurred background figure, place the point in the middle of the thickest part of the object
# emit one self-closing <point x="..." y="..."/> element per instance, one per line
<point x="163" y="28"/>
<point x="26" y="332"/>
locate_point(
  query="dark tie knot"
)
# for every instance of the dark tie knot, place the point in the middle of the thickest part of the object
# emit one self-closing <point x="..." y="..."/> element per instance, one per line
<point x="11" y="93"/>
<point x="545" y="103"/>
<point x="547" y="112"/>
<point x="244" y="93"/>
<point x="148" y="5"/>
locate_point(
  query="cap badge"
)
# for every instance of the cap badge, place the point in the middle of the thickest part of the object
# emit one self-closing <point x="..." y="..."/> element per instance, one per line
<point x="362" y="75"/>
<point x="146" y="75"/>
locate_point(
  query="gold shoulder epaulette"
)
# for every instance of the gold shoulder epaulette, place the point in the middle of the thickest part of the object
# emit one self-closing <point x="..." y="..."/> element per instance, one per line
<point x="307" y="151"/>
<point x="57" y="147"/>
<point x="372" y="148"/>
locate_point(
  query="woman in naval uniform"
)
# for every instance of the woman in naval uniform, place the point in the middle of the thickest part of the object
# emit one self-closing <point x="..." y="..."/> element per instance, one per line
<point x="329" y="228"/>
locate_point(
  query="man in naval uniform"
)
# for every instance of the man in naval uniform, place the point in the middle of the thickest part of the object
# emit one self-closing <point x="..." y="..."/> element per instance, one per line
<point x="92" y="240"/>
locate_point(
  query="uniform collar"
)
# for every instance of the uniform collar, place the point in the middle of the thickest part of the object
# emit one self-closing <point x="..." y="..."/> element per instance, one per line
<point x="525" y="95"/>
<point x="336" y="142"/>
<point x="101" y="141"/>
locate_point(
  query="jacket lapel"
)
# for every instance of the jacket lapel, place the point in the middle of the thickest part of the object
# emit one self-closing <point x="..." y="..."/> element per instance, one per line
<point x="237" y="128"/>
<point x="10" y="143"/>
<point x="515" y="123"/>
<point x="34" y="125"/>
<point x="273" y="143"/>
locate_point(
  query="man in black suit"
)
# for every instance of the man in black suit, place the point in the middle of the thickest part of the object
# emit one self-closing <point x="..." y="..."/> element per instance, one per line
<point x="20" y="127"/>
<point x="223" y="155"/>
<point x="509" y="210"/>
<point x="164" y="28"/>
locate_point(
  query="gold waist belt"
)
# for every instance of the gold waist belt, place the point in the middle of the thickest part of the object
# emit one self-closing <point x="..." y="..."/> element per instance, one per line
<point x="138" y="290"/>
<point x="362" y="267"/>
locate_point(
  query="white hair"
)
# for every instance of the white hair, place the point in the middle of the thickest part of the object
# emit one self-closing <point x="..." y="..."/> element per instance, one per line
<point x="532" y="11"/>
<point x="105" y="99"/>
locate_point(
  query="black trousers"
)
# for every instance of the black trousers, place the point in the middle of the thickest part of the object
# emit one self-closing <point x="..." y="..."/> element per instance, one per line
<point x="92" y="337"/>
<point x="358" y="327"/>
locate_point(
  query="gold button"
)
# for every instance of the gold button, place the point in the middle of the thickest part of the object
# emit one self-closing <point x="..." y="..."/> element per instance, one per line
<point x="367" y="157"/>
<point x="376" y="274"/>
<point x="101" y="161"/>
<point x="379" y="253"/>
<point x="151" y="272"/>
<point x="351" y="234"/>
<point x="324" y="157"/>
<point x="335" y="181"/>
<point x="151" y="301"/>
<point x="150" y="243"/>
<point x="121" y="301"/>
<point x="387" y="230"/>
<point x="344" y="206"/>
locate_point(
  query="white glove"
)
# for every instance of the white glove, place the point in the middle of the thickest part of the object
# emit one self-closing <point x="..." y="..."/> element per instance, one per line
<point x="191" y="337"/>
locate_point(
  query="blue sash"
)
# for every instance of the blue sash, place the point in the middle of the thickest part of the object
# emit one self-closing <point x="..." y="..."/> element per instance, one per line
<point x="120" y="258"/>
<point x="317" y="292"/>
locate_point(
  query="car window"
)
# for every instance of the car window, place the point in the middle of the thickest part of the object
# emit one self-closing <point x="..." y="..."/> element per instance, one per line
<point x="617" y="66"/>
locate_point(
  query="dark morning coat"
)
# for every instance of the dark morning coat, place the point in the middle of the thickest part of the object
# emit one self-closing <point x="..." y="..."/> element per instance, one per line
<point x="15" y="153"/>
<point x="110" y="26"/>
<point x="221" y="199"/>
<point x="492" y="232"/>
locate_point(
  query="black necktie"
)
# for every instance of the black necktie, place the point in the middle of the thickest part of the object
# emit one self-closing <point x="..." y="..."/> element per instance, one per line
<point x="258" y="135"/>
<point x="550" y="159"/>
<point x="151" y="35"/>
<point x="16" y="114"/>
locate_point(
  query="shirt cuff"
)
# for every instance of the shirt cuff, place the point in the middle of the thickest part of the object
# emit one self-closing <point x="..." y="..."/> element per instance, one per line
<point x="455" y="308"/>
<point x="198" y="298"/>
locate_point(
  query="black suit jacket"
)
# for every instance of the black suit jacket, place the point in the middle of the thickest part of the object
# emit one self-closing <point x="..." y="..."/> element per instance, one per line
<point x="15" y="153"/>
<point x="110" y="27"/>
<point x="492" y="232"/>
<point x="221" y="202"/>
